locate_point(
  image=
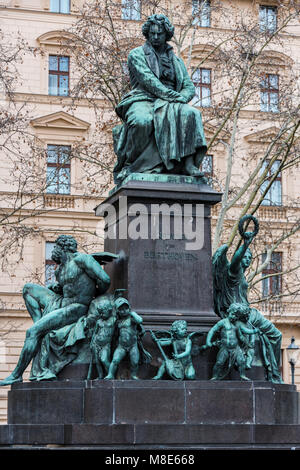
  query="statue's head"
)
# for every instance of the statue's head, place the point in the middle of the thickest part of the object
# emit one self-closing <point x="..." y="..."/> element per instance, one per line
<point x="247" y="258"/>
<point x="157" y="30"/>
<point x="63" y="244"/>
<point x="122" y="306"/>
<point x="238" y="311"/>
<point x="179" y="328"/>
<point x="104" y="307"/>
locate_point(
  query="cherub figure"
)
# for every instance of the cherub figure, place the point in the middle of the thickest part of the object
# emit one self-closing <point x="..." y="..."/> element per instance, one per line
<point x="129" y="325"/>
<point x="181" y="366"/>
<point x="232" y="344"/>
<point x="103" y="317"/>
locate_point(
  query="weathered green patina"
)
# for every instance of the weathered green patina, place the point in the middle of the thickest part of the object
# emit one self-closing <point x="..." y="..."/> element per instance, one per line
<point x="101" y="319"/>
<point x="180" y="366"/>
<point x="130" y="332"/>
<point x="233" y="344"/>
<point x="230" y="286"/>
<point x="58" y="311"/>
<point x="160" y="133"/>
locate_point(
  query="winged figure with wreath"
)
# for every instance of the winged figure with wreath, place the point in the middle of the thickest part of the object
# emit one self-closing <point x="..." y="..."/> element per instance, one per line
<point x="230" y="286"/>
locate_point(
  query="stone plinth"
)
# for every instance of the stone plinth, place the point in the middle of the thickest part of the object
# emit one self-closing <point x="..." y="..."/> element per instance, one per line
<point x="165" y="278"/>
<point x="147" y="414"/>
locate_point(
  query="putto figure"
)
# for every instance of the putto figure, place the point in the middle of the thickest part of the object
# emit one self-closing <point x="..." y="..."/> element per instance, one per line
<point x="129" y="326"/>
<point x="103" y="313"/>
<point x="161" y="132"/>
<point x="179" y="367"/>
<point x="80" y="279"/>
<point x="233" y="345"/>
<point x="230" y="286"/>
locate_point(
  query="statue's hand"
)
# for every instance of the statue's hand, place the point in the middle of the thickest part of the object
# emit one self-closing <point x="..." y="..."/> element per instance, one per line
<point x="55" y="287"/>
<point x="180" y="99"/>
<point x="248" y="237"/>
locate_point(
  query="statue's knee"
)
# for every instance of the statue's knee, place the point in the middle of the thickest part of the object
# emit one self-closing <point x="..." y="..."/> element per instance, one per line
<point x="144" y="122"/>
<point x="192" y="111"/>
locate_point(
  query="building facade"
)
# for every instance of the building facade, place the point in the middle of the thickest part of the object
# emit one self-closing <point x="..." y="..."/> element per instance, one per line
<point x="63" y="205"/>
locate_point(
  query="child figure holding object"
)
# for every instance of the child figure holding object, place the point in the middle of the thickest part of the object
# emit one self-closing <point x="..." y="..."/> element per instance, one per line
<point x="181" y="365"/>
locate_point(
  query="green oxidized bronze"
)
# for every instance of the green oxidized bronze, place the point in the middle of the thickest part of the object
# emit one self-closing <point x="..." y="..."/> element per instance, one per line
<point x="230" y="286"/>
<point x="160" y="133"/>
<point x="180" y="366"/>
<point x="102" y="317"/>
<point x="59" y="311"/>
<point x="129" y="343"/>
<point x="232" y="343"/>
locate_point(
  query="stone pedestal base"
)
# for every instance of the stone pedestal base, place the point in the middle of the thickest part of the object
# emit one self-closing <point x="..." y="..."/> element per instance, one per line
<point x="166" y="276"/>
<point x="152" y="415"/>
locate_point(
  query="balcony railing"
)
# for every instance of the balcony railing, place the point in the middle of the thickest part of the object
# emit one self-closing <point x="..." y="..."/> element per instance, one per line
<point x="284" y="309"/>
<point x="59" y="201"/>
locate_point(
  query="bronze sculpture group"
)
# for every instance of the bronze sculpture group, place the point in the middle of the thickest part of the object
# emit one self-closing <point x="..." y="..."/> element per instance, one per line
<point x="160" y="133"/>
<point x="64" y="314"/>
<point x="230" y="286"/>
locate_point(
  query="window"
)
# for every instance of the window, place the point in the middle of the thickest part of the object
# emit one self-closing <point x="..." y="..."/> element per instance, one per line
<point x="207" y="165"/>
<point x="274" y="196"/>
<point x="50" y="265"/>
<point x="58" y="169"/>
<point x="201" y="10"/>
<point x="131" y="10"/>
<point x="60" y="6"/>
<point x="269" y="93"/>
<point x="59" y="75"/>
<point x="271" y="285"/>
<point x="202" y="81"/>
<point x="267" y="18"/>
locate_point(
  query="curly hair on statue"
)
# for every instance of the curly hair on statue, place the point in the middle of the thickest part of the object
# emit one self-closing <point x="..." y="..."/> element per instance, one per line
<point x="242" y="311"/>
<point x="177" y="324"/>
<point x="160" y="20"/>
<point x="67" y="243"/>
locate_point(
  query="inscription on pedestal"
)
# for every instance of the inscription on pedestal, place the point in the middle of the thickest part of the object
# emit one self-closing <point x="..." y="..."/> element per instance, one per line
<point x="170" y="256"/>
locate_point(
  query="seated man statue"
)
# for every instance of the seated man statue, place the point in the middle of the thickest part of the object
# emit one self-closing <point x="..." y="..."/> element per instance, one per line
<point x="161" y="132"/>
<point x="80" y="279"/>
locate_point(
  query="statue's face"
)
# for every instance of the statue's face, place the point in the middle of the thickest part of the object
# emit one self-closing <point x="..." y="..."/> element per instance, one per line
<point x="157" y="35"/>
<point x="124" y="310"/>
<point x="232" y="316"/>
<point x="106" y="311"/>
<point x="246" y="261"/>
<point x="246" y="315"/>
<point x="57" y="253"/>
<point x="181" y="331"/>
